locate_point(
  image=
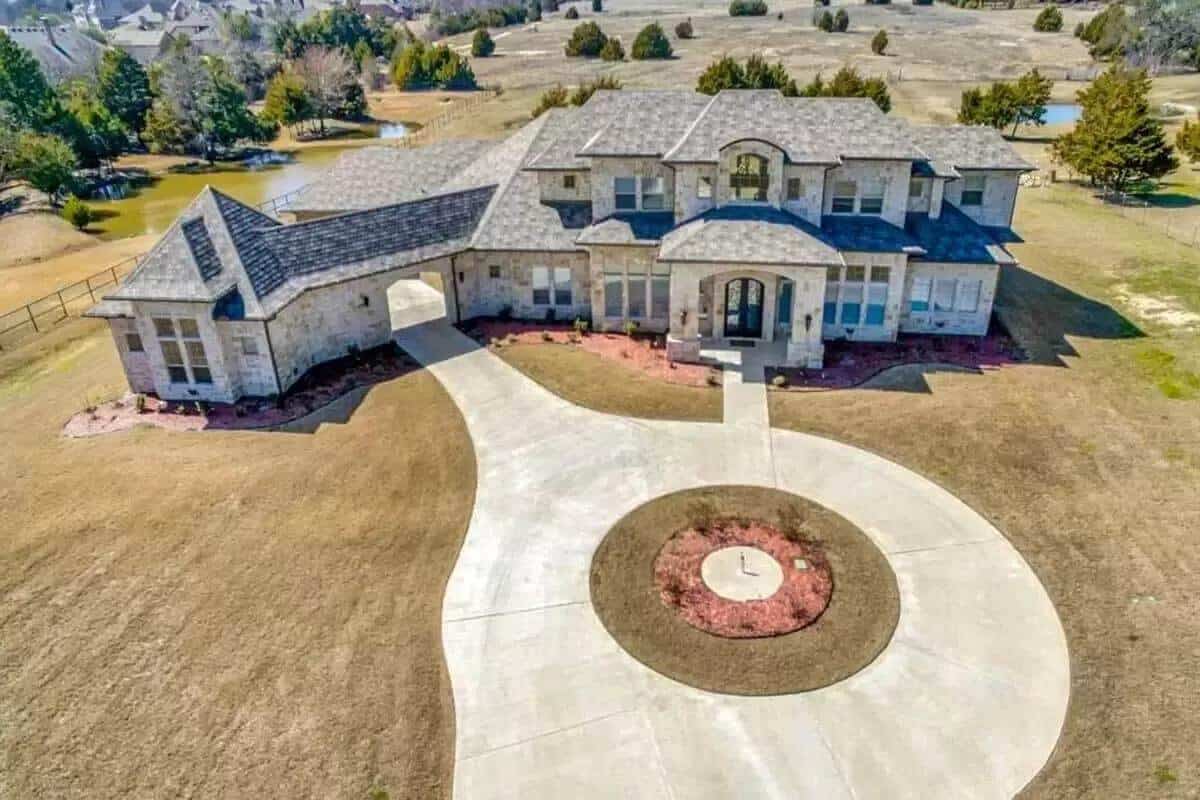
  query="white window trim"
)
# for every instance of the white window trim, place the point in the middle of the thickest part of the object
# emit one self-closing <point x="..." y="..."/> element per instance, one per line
<point x="834" y="197"/>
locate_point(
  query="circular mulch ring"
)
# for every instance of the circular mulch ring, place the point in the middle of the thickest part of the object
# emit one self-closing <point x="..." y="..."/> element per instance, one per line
<point x="743" y="581"/>
<point x="863" y="600"/>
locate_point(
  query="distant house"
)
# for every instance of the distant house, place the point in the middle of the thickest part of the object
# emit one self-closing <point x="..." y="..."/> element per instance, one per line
<point x="145" y="17"/>
<point x="201" y="27"/>
<point x="102" y="14"/>
<point x="143" y="43"/>
<point x="62" y="51"/>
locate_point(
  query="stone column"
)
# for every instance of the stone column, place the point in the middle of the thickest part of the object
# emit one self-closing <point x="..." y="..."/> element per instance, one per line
<point x="805" y="348"/>
<point x="683" y="336"/>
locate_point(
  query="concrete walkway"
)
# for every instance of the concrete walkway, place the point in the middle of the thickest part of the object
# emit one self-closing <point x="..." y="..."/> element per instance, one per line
<point x="966" y="701"/>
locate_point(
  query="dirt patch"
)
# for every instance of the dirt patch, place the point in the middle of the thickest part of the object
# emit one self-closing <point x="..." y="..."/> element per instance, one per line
<point x="856" y="625"/>
<point x="1168" y="311"/>
<point x="850" y="364"/>
<point x="803" y="592"/>
<point x="319" y="387"/>
<point x="642" y="353"/>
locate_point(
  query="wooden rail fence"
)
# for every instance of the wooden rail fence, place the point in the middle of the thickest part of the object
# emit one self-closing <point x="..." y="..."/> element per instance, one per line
<point x="42" y="314"/>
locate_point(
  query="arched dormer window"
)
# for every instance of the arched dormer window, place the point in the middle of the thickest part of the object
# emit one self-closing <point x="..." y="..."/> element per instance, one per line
<point x="749" y="179"/>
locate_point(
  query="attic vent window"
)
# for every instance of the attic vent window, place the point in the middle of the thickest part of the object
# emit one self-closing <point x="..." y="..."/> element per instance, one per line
<point x="364" y="301"/>
<point x="568" y="181"/>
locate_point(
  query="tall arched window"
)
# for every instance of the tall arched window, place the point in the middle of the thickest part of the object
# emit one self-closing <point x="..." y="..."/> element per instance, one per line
<point x="749" y="179"/>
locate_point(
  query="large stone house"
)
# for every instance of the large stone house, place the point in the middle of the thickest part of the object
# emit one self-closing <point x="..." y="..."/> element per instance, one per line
<point x="780" y="222"/>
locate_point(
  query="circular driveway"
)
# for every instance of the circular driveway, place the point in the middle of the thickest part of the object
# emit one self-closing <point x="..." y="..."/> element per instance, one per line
<point x="967" y="700"/>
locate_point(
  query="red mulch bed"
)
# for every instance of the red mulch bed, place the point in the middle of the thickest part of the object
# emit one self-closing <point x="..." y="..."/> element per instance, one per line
<point x="849" y="364"/>
<point x="800" y="600"/>
<point x="319" y="387"/>
<point x="644" y="353"/>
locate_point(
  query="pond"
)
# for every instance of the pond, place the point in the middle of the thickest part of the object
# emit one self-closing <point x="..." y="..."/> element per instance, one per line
<point x="392" y="130"/>
<point x="1062" y="113"/>
<point x="153" y="207"/>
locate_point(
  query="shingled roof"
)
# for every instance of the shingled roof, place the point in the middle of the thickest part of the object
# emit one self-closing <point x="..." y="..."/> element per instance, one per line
<point x="749" y="235"/>
<point x="955" y="147"/>
<point x="370" y="177"/>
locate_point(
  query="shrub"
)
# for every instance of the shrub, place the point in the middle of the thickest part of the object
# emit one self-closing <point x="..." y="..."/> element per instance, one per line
<point x="684" y="29"/>
<point x="421" y="66"/>
<point x="1079" y="28"/>
<point x="847" y="82"/>
<point x="581" y="326"/>
<point x="547" y="336"/>
<point x="748" y="8"/>
<point x="535" y="11"/>
<point x="631" y="328"/>
<point x="1188" y="141"/>
<point x="612" y="51"/>
<point x="597" y="6"/>
<point x="482" y="45"/>
<point x="554" y="97"/>
<point x="1050" y="20"/>
<point x="779" y="381"/>
<point x="77" y="212"/>
<point x="586" y="40"/>
<point x="841" y="21"/>
<point x="824" y="21"/>
<point x="651" y="43"/>
<point x="585" y="91"/>
<point x="572" y="13"/>
<point x="879" y="43"/>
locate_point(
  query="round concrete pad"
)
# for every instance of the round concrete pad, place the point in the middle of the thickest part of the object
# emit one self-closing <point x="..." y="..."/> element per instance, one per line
<point x="741" y="573"/>
<point x="854" y="628"/>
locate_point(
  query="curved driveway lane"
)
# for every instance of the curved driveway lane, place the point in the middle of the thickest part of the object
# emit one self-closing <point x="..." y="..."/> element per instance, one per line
<point x="966" y="701"/>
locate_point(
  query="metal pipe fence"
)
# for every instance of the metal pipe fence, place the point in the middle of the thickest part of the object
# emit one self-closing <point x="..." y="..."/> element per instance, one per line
<point x="42" y="314"/>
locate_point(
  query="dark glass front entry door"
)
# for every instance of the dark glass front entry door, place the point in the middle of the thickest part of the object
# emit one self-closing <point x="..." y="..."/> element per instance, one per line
<point x="743" y="308"/>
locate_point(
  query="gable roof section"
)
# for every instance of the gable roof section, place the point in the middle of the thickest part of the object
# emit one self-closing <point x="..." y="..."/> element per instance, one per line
<point x="645" y="123"/>
<point x="749" y="235"/>
<point x="809" y="130"/>
<point x="955" y="147"/>
<point x="644" y="227"/>
<point x="196" y="260"/>
<point x="370" y="177"/>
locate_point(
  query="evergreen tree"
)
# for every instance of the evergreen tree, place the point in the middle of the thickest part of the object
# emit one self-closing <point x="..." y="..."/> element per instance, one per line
<point x="1117" y="141"/>
<point x="287" y="102"/>
<point x="554" y="97"/>
<point x="841" y="21"/>
<point x="93" y="131"/>
<point x="879" y="42"/>
<point x="726" y="73"/>
<point x="848" y="83"/>
<point x="612" y="51"/>
<point x="651" y="43"/>
<point x="124" y="89"/>
<point x="482" y="45"/>
<point x="586" y="40"/>
<point x="1050" y="20"/>
<point x="23" y="87"/>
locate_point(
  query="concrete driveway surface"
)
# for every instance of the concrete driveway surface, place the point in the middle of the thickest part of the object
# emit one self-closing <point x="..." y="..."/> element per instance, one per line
<point x="966" y="701"/>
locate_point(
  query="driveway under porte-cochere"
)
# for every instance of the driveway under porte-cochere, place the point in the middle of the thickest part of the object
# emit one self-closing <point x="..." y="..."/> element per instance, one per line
<point x="967" y="700"/>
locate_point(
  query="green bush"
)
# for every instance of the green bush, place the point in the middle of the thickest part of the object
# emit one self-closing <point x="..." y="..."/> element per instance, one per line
<point x="841" y="21"/>
<point x="482" y="45"/>
<point x="586" y="40"/>
<point x="879" y="42"/>
<point x="612" y="51"/>
<point x="1050" y="20"/>
<point x="78" y="213"/>
<point x="651" y="43"/>
<point x="824" y="21"/>
<point x="748" y="8"/>
<point x="421" y="66"/>
<point x="554" y="97"/>
<point x="572" y="13"/>
<point x="684" y="29"/>
<point x="585" y="91"/>
<point x="1188" y="141"/>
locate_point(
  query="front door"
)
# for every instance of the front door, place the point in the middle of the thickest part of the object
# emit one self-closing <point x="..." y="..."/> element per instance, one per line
<point x="743" y="308"/>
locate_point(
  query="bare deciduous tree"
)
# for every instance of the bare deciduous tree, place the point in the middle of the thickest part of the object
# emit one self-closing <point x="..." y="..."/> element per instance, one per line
<point x="325" y="73"/>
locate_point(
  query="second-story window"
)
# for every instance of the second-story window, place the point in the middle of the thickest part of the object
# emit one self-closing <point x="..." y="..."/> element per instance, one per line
<point x="568" y="181"/>
<point x="653" y="194"/>
<point x="972" y="193"/>
<point x="871" y="201"/>
<point x="843" y="197"/>
<point x="625" y="190"/>
<point x="749" y="179"/>
<point x="795" y="189"/>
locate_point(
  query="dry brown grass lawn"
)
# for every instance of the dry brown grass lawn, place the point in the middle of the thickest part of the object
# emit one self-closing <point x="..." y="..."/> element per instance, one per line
<point x="223" y="614"/>
<point x="589" y="380"/>
<point x="21" y="283"/>
<point x="1090" y="469"/>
